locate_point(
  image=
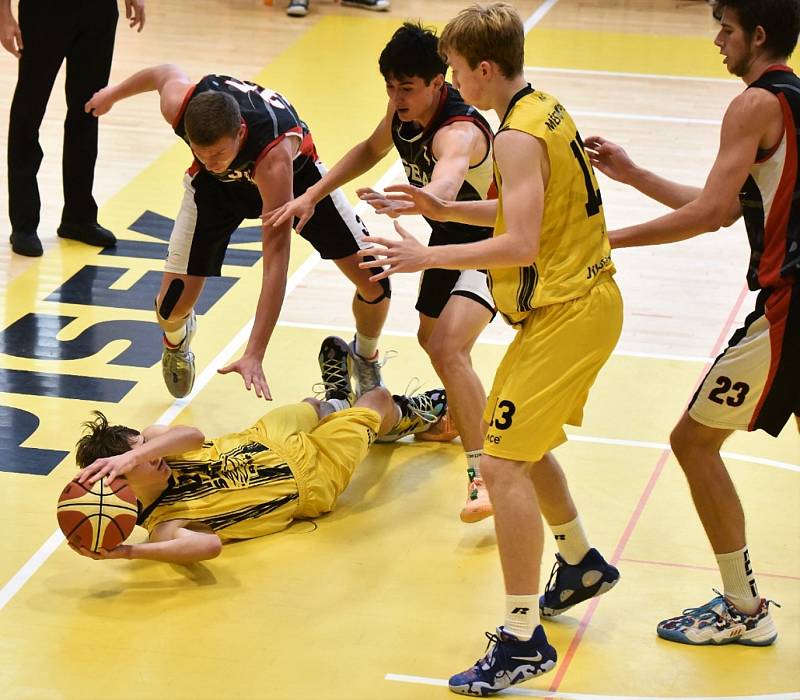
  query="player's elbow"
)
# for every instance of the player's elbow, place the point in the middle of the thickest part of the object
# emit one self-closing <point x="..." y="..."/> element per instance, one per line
<point x="211" y="548"/>
<point x="527" y="254"/>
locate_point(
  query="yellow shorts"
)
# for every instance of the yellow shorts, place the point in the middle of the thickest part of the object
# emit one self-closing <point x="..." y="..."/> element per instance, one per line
<point x="321" y="454"/>
<point x="543" y="381"/>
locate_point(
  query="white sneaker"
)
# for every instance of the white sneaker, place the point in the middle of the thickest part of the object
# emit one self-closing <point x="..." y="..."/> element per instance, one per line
<point x="297" y="8"/>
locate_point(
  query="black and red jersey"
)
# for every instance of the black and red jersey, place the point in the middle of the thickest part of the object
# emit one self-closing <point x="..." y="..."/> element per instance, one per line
<point x="268" y="118"/>
<point x="415" y="146"/>
<point x="770" y="197"/>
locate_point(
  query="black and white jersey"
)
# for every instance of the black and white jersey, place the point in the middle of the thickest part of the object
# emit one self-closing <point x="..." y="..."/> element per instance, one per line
<point x="415" y="146"/>
<point x="770" y="197"/>
<point x="268" y="118"/>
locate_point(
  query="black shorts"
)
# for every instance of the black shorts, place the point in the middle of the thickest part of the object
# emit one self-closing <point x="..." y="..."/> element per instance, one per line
<point x="212" y="210"/>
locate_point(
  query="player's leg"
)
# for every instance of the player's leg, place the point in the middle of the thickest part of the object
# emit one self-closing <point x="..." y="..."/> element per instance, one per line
<point x="45" y="41"/>
<point x="208" y="216"/>
<point x="752" y="385"/>
<point x="337" y="233"/>
<point x="519" y="649"/>
<point x="580" y="571"/>
<point x="88" y="69"/>
<point x="448" y="340"/>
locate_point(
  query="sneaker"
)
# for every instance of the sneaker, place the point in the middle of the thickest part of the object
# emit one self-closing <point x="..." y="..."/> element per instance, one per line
<point x="443" y="430"/>
<point x="26" y="243"/>
<point x="297" y="8"/>
<point x="91" y="234"/>
<point x="509" y="661"/>
<point x="377" y="5"/>
<point x="571" y="584"/>
<point x="418" y="412"/>
<point x="335" y="364"/>
<point x="367" y="372"/>
<point x="478" y="505"/>
<point x="719" y="622"/>
<point x="177" y="364"/>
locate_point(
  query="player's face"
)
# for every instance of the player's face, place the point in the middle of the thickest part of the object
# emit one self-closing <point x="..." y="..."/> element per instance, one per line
<point x="153" y="471"/>
<point x="467" y="80"/>
<point x="412" y="99"/>
<point x="218" y="157"/>
<point x="734" y="44"/>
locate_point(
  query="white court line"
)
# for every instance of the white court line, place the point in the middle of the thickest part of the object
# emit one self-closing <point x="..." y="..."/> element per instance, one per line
<point x="537" y="16"/>
<point x="619" y="74"/>
<point x="488" y="341"/>
<point x="531" y="693"/>
<point x="33" y="564"/>
<point x="645" y="118"/>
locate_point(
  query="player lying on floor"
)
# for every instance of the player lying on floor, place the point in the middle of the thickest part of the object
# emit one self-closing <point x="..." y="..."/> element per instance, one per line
<point x="195" y="494"/>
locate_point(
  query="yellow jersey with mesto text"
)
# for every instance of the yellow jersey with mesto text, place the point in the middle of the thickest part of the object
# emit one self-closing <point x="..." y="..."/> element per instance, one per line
<point x="574" y="252"/>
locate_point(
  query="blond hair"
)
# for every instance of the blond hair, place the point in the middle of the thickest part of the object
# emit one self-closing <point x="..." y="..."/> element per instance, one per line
<point x="487" y="33"/>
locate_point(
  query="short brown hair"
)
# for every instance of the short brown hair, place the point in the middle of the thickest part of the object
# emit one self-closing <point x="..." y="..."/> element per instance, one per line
<point x="211" y="116"/>
<point x="487" y="33"/>
<point x="103" y="440"/>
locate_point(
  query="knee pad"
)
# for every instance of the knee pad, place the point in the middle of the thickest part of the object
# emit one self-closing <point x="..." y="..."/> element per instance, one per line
<point x="385" y="286"/>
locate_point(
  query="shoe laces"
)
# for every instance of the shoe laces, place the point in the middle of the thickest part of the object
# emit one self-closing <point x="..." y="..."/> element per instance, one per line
<point x="493" y="646"/>
<point x="419" y="403"/>
<point x="338" y="378"/>
<point x="552" y="582"/>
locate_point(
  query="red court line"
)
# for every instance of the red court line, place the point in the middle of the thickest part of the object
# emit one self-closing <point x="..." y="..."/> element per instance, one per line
<point x="633" y="521"/>
<point x="676" y="565"/>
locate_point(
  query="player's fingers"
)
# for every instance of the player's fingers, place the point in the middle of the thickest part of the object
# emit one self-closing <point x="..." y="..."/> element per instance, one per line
<point x="378" y="240"/>
<point x="408" y="189"/>
<point x="380" y="275"/>
<point x="227" y="368"/>
<point x="301" y="222"/>
<point x="141" y="17"/>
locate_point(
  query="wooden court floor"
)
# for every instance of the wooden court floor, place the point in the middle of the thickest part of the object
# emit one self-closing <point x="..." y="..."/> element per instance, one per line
<point x="388" y="595"/>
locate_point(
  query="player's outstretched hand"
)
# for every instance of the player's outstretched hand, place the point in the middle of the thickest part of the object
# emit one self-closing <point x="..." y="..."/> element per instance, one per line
<point x="420" y="201"/>
<point x="109" y="467"/>
<point x="301" y="208"/>
<point x="610" y="159"/>
<point x="383" y="204"/>
<point x="122" y="551"/>
<point x="404" y="255"/>
<point x="101" y="102"/>
<point x="253" y="374"/>
<point x="10" y="34"/>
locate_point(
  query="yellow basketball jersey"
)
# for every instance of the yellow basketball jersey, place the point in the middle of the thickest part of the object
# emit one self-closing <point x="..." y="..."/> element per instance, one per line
<point x="236" y="485"/>
<point x="573" y="244"/>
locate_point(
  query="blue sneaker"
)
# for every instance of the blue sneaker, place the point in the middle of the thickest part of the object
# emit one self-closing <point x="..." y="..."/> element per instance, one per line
<point x="571" y="584"/>
<point x="509" y="661"/>
<point x="719" y="622"/>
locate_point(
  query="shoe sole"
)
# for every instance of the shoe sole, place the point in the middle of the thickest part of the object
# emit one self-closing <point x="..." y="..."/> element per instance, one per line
<point x="475" y="516"/>
<point x="605" y="587"/>
<point x="681" y="638"/>
<point x="484" y="689"/>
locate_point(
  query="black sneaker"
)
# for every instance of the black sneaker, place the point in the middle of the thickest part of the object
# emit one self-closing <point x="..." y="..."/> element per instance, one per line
<point x="571" y="584"/>
<point x="334" y="364"/>
<point x="376" y="5"/>
<point x="26" y="243"/>
<point x="418" y="412"/>
<point x="507" y="662"/>
<point x="297" y="8"/>
<point x="91" y="234"/>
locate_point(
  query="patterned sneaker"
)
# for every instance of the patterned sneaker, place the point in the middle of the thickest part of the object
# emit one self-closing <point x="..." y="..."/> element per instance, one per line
<point x="177" y="364"/>
<point x="367" y="373"/>
<point x="508" y="662"/>
<point x="334" y="364"/>
<point x="443" y="430"/>
<point x="719" y="622"/>
<point x="570" y="584"/>
<point x="377" y="5"/>
<point x="418" y="412"/>
<point x="297" y="8"/>
<point x="478" y="505"/>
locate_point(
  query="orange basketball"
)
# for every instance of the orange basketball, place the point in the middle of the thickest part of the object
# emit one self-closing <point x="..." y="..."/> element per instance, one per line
<point x="97" y="515"/>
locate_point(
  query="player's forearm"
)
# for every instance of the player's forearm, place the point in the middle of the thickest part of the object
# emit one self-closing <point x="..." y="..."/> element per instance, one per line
<point x="5" y="9"/>
<point x="691" y="220"/>
<point x="480" y="213"/>
<point x="145" y="80"/>
<point x="671" y="194"/>
<point x="508" y="250"/>
<point x="178" y="439"/>
<point x="355" y="162"/>
<point x="270" y="299"/>
<point x="182" y="550"/>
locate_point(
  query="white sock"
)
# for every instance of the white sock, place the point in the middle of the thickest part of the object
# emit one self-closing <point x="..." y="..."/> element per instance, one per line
<point x="522" y="615"/>
<point x="332" y="405"/>
<point x="571" y="541"/>
<point x="738" y="582"/>
<point x="474" y="463"/>
<point x="176" y="337"/>
<point x="366" y="346"/>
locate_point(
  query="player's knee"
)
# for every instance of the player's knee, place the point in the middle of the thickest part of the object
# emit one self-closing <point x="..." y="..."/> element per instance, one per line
<point x="374" y="292"/>
<point x="446" y="356"/>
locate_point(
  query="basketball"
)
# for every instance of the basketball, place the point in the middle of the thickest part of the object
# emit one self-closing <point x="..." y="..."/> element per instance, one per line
<point x="98" y="515"/>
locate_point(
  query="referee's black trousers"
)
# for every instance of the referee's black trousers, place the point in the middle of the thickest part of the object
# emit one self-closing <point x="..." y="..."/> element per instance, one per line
<point x="82" y="32"/>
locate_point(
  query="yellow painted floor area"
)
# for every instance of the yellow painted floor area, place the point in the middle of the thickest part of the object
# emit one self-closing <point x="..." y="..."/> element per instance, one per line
<point x="389" y="595"/>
